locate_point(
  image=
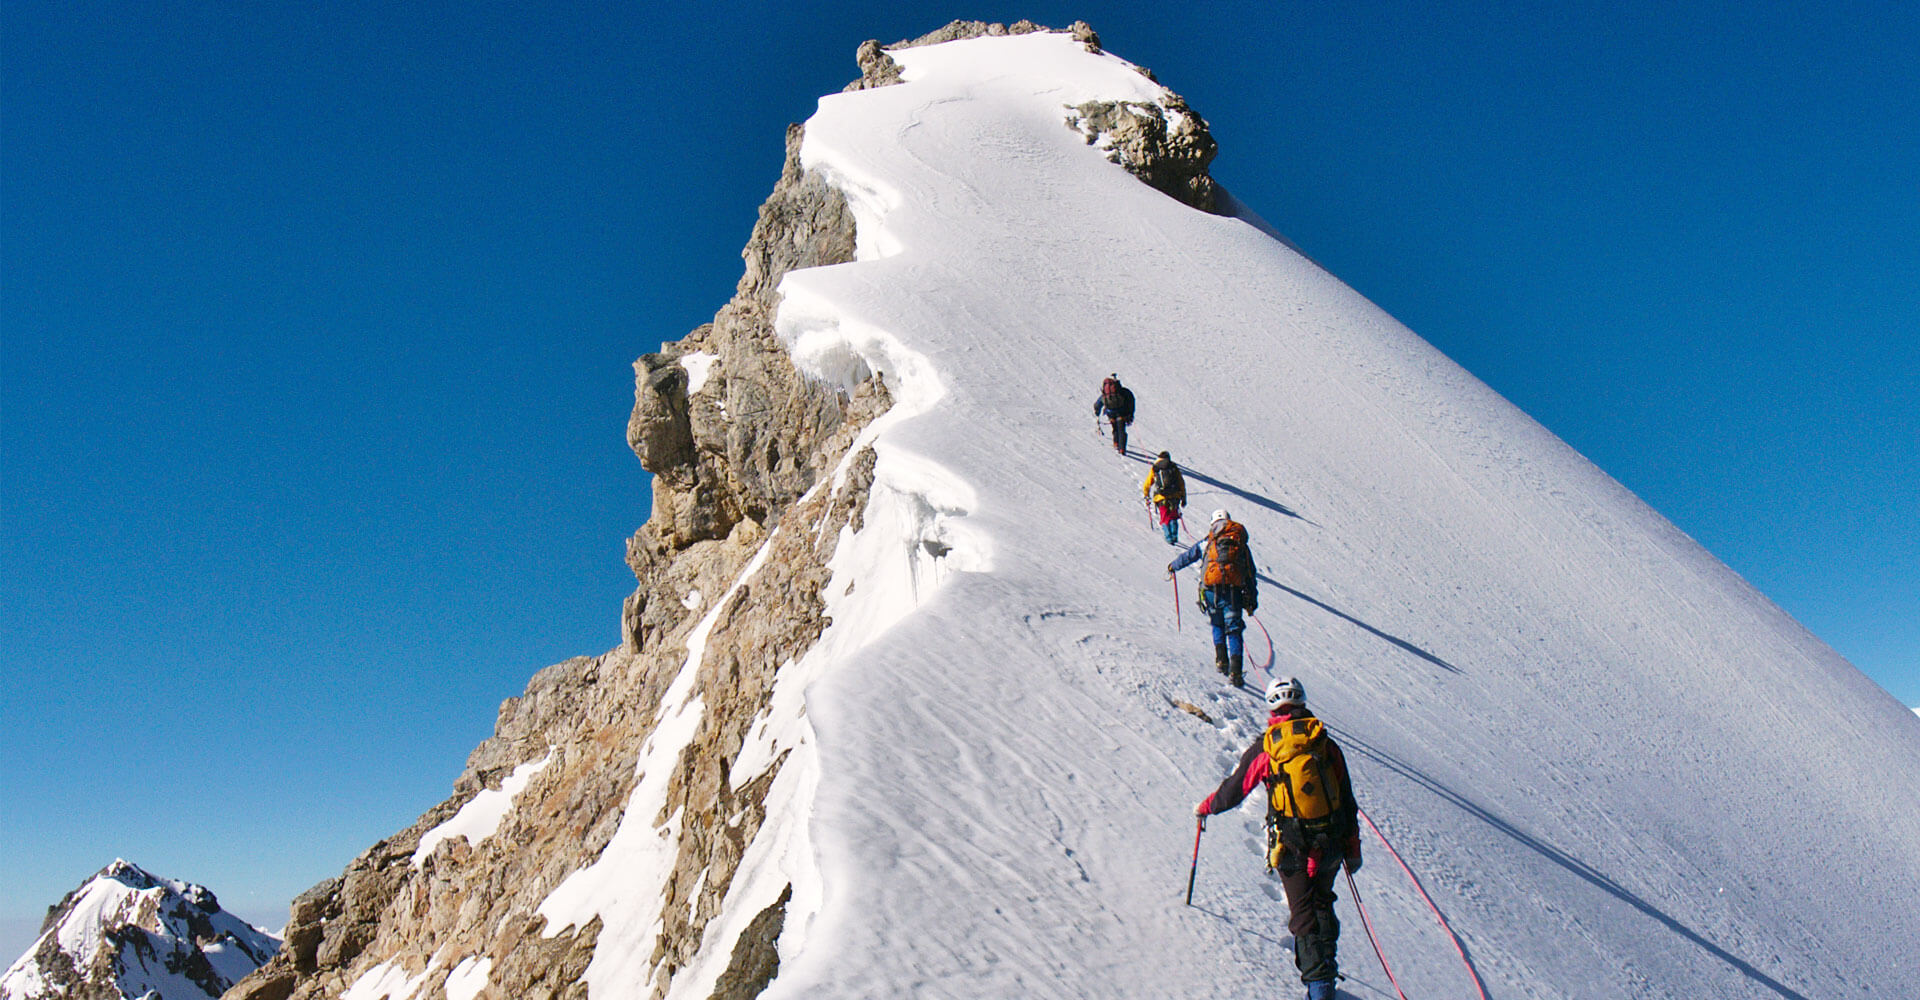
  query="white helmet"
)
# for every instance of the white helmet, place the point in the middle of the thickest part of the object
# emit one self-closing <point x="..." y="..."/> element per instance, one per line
<point x="1284" y="692"/>
<point x="1218" y="516"/>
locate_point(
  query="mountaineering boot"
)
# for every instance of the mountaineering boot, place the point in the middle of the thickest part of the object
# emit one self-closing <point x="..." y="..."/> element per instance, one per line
<point x="1233" y="671"/>
<point x="1220" y="657"/>
<point x="1320" y="989"/>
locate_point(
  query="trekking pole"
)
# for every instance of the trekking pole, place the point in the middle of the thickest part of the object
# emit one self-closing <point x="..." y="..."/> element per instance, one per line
<point x="1199" y="828"/>
<point x="1368" y="922"/>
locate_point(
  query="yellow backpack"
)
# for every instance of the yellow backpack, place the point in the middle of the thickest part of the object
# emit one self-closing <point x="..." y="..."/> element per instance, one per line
<point x="1302" y="793"/>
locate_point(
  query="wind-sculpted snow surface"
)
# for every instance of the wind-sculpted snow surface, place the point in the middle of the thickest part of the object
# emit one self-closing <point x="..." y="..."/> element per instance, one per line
<point x="1617" y="769"/>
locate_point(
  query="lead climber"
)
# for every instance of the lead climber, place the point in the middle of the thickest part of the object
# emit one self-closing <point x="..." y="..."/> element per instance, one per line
<point x="1166" y="490"/>
<point x="1312" y="824"/>
<point x="1116" y="404"/>
<point x="1228" y="588"/>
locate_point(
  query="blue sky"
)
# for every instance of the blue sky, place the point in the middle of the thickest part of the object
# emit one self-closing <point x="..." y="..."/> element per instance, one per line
<point x="315" y="329"/>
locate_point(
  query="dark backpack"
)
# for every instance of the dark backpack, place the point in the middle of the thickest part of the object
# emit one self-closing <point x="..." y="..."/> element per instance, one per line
<point x="1168" y="483"/>
<point x="1110" y="395"/>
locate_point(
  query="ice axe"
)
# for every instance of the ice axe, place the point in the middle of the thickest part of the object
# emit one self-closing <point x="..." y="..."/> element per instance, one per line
<point x="1175" y="577"/>
<point x="1200" y="827"/>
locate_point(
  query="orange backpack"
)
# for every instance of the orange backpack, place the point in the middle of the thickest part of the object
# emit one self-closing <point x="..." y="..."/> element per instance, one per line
<point x="1226" y="556"/>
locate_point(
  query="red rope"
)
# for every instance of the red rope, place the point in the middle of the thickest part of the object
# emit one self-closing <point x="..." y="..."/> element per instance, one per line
<point x="1455" y="938"/>
<point x="1268" y="669"/>
<point x="1371" y="939"/>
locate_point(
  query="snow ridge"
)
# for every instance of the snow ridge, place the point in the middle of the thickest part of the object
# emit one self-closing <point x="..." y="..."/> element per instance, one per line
<point x="1561" y="709"/>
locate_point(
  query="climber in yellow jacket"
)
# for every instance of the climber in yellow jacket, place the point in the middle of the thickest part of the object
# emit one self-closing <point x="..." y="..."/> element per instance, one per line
<point x="1166" y="490"/>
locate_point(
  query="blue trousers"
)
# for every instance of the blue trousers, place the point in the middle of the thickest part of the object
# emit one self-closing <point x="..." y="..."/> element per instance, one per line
<point x="1223" y="610"/>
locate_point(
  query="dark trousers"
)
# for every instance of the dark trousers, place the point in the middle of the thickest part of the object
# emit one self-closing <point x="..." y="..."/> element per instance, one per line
<point x="1316" y="931"/>
<point x="1119" y="433"/>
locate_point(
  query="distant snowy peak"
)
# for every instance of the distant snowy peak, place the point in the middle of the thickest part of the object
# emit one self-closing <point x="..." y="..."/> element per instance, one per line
<point x="128" y="933"/>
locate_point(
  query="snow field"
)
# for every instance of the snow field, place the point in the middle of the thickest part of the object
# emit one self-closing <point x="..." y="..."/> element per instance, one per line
<point x="1559" y="707"/>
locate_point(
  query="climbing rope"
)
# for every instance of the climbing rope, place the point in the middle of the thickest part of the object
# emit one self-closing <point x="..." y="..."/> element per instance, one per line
<point x="1268" y="667"/>
<point x="1372" y="939"/>
<point x="1451" y="936"/>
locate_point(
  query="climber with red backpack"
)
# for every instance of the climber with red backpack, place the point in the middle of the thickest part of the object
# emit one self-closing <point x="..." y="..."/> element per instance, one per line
<point x="1312" y="824"/>
<point x="1116" y="405"/>
<point x="1228" y="588"/>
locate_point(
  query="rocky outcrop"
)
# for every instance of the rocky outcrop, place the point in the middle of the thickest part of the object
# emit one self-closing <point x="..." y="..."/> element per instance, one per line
<point x="1164" y="144"/>
<point x="737" y="440"/>
<point x="735" y="449"/>
<point x="877" y="69"/>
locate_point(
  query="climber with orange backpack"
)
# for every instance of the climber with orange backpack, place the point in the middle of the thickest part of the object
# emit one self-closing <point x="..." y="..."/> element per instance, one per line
<point x="1228" y="588"/>
<point x="1312" y="824"/>
<point x="1116" y="404"/>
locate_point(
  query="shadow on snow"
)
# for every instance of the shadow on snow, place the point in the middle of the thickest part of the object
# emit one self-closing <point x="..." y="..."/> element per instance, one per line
<point x="1337" y="613"/>
<point x="1563" y="859"/>
<point x="1256" y="499"/>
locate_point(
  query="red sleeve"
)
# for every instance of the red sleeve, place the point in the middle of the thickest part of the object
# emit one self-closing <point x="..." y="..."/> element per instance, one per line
<point x="1247" y="776"/>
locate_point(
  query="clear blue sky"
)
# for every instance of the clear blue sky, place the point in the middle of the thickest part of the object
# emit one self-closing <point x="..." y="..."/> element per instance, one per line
<point x="317" y="323"/>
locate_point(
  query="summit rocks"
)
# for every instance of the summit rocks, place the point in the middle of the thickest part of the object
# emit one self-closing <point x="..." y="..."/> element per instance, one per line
<point x="1164" y="143"/>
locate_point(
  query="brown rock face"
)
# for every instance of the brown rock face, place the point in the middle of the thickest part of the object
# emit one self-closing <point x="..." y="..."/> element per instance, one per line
<point x="731" y="457"/>
<point x="1166" y="145"/>
<point x="740" y="444"/>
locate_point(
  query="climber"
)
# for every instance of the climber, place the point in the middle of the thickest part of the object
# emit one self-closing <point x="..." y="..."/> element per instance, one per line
<point x="1166" y="490"/>
<point x="1312" y="825"/>
<point x="1116" y="404"/>
<point x="1228" y="588"/>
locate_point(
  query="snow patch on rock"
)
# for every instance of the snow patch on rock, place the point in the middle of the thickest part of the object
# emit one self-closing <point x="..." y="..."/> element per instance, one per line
<point x="482" y="815"/>
<point x="468" y="978"/>
<point x="699" y="364"/>
<point x="623" y="886"/>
